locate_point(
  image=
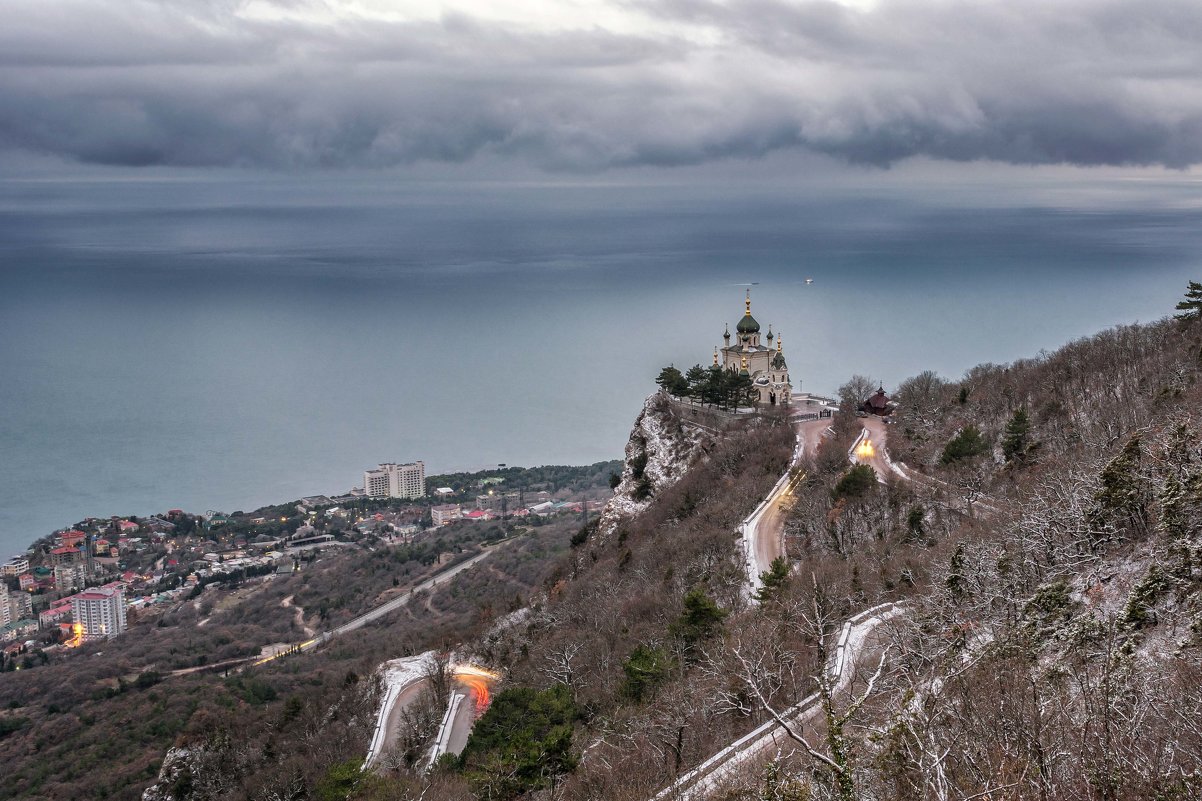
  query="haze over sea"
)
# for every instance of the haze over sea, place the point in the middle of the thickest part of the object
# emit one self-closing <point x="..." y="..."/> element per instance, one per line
<point x="226" y="343"/>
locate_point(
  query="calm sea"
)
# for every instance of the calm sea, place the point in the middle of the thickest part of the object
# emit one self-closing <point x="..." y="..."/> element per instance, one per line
<point x="228" y="343"/>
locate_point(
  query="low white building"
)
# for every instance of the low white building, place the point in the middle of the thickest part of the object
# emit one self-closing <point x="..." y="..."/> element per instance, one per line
<point x="15" y="566"/>
<point x="441" y="515"/>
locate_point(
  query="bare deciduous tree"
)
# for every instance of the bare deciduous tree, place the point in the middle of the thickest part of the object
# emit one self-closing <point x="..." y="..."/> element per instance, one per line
<point x="765" y="672"/>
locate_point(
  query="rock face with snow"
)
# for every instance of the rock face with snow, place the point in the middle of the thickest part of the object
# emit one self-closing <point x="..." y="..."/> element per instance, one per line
<point x="175" y="779"/>
<point x="207" y="770"/>
<point x="660" y="451"/>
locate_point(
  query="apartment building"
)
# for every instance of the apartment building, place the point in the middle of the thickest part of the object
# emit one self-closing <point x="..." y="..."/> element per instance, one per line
<point x="101" y="612"/>
<point x="68" y="578"/>
<point x="391" y="480"/>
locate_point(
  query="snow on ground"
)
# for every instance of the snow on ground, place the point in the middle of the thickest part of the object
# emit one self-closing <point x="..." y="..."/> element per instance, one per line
<point x="749" y="531"/>
<point x="711" y="774"/>
<point x="749" y="528"/>
<point x="514" y="618"/>
<point x="512" y="625"/>
<point x="396" y="675"/>
<point x="668" y="448"/>
<point x="442" y="740"/>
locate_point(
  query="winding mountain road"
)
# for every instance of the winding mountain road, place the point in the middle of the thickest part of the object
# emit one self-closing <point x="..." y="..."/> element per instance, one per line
<point x="763" y="541"/>
<point x="404" y="681"/>
<point x="871" y="449"/>
<point x="875" y="433"/>
<point x="761" y="743"/>
<point x="469" y="700"/>
<point x="763" y="532"/>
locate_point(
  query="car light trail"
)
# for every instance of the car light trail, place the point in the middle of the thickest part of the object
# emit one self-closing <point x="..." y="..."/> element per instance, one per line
<point x="479" y="680"/>
<point x="865" y="450"/>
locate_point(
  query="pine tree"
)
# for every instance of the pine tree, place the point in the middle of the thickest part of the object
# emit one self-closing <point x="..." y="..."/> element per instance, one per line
<point x="965" y="445"/>
<point x="696" y="378"/>
<point x="701" y="618"/>
<point x="1191" y="307"/>
<point x="672" y="381"/>
<point x="955" y="573"/>
<point x="773" y="580"/>
<point x="1124" y="494"/>
<point x="1016" y="441"/>
<point x="1173" y="512"/>
<point x="711" y="390"/>
<point x="915" y="528"/>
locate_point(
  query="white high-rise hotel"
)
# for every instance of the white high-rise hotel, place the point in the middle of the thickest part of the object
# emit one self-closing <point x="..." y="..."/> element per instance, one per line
<point x="101" y="612"/>
<point x="396" y="481"/>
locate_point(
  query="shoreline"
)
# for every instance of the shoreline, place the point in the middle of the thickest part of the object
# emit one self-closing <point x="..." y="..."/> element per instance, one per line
<point x="13" y="550"/>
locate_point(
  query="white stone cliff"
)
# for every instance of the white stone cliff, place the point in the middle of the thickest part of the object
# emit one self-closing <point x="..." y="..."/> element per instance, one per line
<point x="661" y="449"/>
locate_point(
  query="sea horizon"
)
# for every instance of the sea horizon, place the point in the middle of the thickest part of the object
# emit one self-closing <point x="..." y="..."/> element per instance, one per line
<point x="198" y="344"/>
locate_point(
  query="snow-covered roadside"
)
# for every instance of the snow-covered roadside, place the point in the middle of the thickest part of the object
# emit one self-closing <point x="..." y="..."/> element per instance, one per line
<point x="722" y="766"/>
<point x="851" y="640"/>
<point x="749" y="528"/>
<point x="443" y="739"/>
<point x="396" y="675"/>
<point x="854" y="458"/>
<point x="749" y="531"/>
<point x="851" y="452"/>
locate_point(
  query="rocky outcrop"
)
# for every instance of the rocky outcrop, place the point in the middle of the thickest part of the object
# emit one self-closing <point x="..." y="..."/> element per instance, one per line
<point x="208" y="770"/>
<point x="660" y="451"/>
<point x="176" y="777"/>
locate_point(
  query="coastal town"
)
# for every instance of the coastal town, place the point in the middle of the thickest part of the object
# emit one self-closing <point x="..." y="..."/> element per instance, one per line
<point x="95" y="579"/>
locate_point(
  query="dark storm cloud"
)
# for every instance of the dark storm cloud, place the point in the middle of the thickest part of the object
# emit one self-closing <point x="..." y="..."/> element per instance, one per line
<point x="201" y="83"/>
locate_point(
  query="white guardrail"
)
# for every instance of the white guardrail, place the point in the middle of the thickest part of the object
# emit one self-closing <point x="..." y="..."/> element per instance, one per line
<point x="443" y="741"/>
<point x="851" y="452"/>
<point x="398" y="676"/>
<point x="747" y="529"/>
<point x="710" y="773"/>
<point x="380" y="733"/>
<point x="881" y="449"/>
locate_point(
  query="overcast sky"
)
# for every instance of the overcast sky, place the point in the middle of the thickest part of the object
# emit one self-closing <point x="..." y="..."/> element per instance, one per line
<point x="590" y="86"/>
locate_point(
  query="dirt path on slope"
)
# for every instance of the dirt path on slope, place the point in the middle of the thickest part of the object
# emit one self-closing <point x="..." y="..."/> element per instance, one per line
<point x="299" y="616"/>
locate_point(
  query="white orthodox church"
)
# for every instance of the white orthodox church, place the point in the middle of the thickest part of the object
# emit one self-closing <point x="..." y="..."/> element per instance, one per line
<point x="762" y="363"/>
